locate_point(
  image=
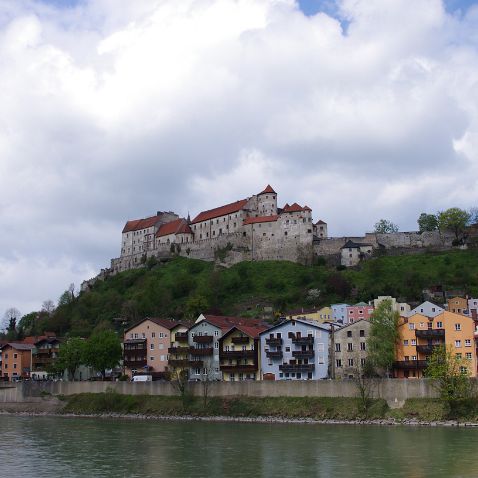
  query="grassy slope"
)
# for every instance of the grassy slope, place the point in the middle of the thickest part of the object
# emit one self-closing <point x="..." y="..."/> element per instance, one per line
<point x="243" y="289"/>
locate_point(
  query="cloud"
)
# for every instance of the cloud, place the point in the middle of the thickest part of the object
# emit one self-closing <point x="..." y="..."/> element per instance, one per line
<point x="112" y="110"/>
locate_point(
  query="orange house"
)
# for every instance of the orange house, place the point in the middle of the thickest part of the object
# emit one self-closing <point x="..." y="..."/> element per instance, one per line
<point x="457" y="305"/>
<point x="418" y="335"/>
<point x="16" y="360"/>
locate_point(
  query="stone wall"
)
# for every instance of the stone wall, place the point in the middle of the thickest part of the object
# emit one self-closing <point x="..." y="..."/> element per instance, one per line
<point x="395" y="391"/>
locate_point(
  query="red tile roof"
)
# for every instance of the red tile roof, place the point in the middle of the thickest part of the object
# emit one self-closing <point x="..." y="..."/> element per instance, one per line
<point x="138" y="224"/>
<point x="226" y="323"/>
<point x="295" y="208"/>
<point x="268" y="189"/>
<point x="220" y="211"/>
<point x="166" y="323"/>
<point x="179" y="226"/>
<point x="254" y="220"/>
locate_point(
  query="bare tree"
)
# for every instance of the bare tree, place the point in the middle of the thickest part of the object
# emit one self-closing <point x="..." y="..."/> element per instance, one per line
<point x="208" y="375"/>
<point x="10" y="318"/>
<point x="362" y="373"/>
<point x="179" y="379"/>
<point x="48" y="306"/>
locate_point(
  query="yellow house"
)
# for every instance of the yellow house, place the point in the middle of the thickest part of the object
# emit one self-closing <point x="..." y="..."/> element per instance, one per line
<point x="239" y="353"/>
<point x="319" y="315"/>
<point x="418" y="335"/>
<point x="178" y="358"/>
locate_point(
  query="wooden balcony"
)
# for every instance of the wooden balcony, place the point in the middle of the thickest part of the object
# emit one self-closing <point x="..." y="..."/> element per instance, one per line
<point x="274" y="354"/>
<point x="240" y="340"/>
<point x="179" y="363"/>
<point x="181" y="336"/>
<point x="426" y="349"/>
<point x="179" y="350"/>
<point x="237" y="354"/>
<point x="309" y="367"/>
<point x="140" y="363"/>
<point x="274" y="342"/>
<point x="430" y="333"/>
<point x="201" y="352"/>
<point x="303" y="354"/>
<point x="303" y="340"/>
<point x="203" y="339"/>
<point x="410" y="364"/>
<point x="239" y="368"/>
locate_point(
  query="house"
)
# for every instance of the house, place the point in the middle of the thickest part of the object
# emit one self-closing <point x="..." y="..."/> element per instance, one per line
<point x="318" y="314"/>
<point x="16" y="360"/>
<point x="361" y="310"/>
<point x="146" y="345"/>
<point x="419" y="334"/>
<point x="44" y="354"/>
<point x="174" y="232"/>
<point x="473" y="309"/>
<point x="203" y="338"/>
<point x="339" y="313"/>
<point x="295" y="349"/>
<point x="2" y="344"/>
<point x="349" y="351"/>
<point x="239" y="353"/>
<point x="320" y="229"/>
<point x="351" y="253"/>
<point x="458" y="305"/>
<point x="428" y="309"/>
<point x="179" y="349"/>
<point x="401" y="307"/>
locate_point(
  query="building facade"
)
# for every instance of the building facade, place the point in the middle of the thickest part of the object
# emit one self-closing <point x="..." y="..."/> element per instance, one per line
<point x="428" y="309"/>
<point x="16" y="361"/>
<point x="349" y="352"/>
<point x="339" y="313"/>
<point x="401" y="307"/>
<point x="359" y="311"/>
<point x="295" y="349"/>
<point x="352" y="253"/>
<point x="458" y="305"/>
<point x="419" y="334"/>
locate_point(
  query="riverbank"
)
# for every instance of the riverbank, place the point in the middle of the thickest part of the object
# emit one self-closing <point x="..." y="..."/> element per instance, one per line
<point x="313" y="410"/>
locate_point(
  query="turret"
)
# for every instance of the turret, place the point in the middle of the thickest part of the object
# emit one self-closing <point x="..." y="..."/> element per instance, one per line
<point x="267" y="202"/>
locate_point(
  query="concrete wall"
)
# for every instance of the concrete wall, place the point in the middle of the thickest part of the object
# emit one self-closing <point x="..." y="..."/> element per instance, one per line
<point x="395" y="391"/>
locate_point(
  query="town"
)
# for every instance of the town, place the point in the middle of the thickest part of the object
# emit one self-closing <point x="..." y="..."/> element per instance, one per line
<point x="320" y="343"/>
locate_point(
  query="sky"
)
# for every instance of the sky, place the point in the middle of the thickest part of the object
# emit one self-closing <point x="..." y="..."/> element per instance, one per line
<point x="112" y="110"/>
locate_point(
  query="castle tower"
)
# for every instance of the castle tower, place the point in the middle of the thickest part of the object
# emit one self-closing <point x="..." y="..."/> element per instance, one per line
<point x="267" y="202"/>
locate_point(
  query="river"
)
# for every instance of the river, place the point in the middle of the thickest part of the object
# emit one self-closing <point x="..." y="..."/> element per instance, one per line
<point x="85" y="447"/>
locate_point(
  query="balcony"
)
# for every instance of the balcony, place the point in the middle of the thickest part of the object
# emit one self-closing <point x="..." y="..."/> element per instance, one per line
<point x="181" y="336"/>
<point x="410" y="364"/>
<point x="179" y="350"/>
<point x="303" y="340"/>
<point x="47" y="351"/>
<point x="303" y="354"/>
<point x="425" y="349"/>
<point x="42" y="360"/>
<point x="274" y="354"/>
<point x="274" y="342"/>
<point x="135" y="363"/>
<point x="202" y="339"/>
<point x="309" y="367"/>
<point x="240" y="340"/>
<point x="179" y="363"/>
<point x="430" y="333"/>
<point x="238" y="368"/>
<point x="237" y="354"/>
<point x="201" y="352"/>
<point x="196" y="363"/>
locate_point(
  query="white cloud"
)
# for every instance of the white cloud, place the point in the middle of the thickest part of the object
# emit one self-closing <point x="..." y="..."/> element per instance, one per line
<point x="115" y="109"/>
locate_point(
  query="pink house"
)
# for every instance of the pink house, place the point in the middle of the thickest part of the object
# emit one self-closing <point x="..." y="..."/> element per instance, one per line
<point x="358" y="311"/>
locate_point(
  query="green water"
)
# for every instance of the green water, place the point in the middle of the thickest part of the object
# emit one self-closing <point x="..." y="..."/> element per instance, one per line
<point x="67" y="447"/>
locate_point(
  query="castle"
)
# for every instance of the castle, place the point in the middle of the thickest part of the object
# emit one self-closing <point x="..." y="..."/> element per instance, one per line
<point x="249" y="229"/>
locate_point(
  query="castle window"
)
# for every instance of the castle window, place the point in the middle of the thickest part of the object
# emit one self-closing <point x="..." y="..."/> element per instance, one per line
<point x="213" y="233"/>
<point x="234" y="224"/>
<point x="263" y="233"/>
<point x="285" y="233"/>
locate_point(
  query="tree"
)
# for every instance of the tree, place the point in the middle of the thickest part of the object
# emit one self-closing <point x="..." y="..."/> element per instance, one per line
<point x="450" y="374"/>
<point x="383" y="338"/>
<point x="454" y="220"/>
<point x="68" y="296"/>
<point x="48" y="306"/>
<point x="71" y="356"/>
<point x="103" y="351"/>
<point x="179" y="378"/>
<point x="427" y="222"/>
<point x="196" y="304"/>
<point x="207" y="376"/>
<point x="384" y="226"/>
<point x="10" y="322"/>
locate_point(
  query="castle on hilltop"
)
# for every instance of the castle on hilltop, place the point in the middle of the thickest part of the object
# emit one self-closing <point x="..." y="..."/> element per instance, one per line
<point x="250" y="229"/>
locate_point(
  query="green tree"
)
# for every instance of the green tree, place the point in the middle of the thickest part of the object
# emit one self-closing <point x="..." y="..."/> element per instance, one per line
<point x="451" y="375"/>
<point x="197" y="304"/>
<point x="384" y="226"/>
<point x="454" y="220"/>
<point x="383" y="338"/>
<point x="103" y="351"/>
<point x="427" y="222"/>
<point x="71" y="356"/>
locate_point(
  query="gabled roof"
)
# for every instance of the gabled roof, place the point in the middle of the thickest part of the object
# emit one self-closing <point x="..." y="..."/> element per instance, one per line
<point x="309" y="323"/>
<point x="166" y="323"/>
<point x="220" y="211"/>
<point x="295" y="208"/>
<point x="225" y="323"/>
<point x="138" y="224"/>
<point x="178" y="226"/>
<point x="320" y="222"/>
<point x="268" y="189"/>
<point x="354" y="323"/>
<point x="249" y="330"/>
<point x="18" y="346"/>
<point x="255" y="220"/>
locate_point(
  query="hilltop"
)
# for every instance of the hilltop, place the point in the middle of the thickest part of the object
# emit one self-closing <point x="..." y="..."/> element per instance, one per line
<point x="186" y="287"/>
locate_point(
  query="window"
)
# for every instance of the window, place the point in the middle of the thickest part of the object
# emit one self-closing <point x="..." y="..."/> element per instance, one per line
<point x="362" y="362"/>
<point x="338" y="363"/>
<point x="320" y="347"/>
<point x="414" y="357"/>
<point x="337" y="347"/>
<point x="467" y="343"/>
<point x="362" y="345"/>
<point x="440" y="325"/>
<point x="216" y="333"/>
<point x="151" y="358"/>
<point x="463" y="370"/>
<point x="349" y="333"/>
<point x="144" y="335"/>
<point x="414" y="341"/>
<point x="321" y="359"/>
<point x="411" y="326"/>
<point x="216" y="345"/>
<point x="468" y="355"/>
<point x="458" y="356"/>
<point x="350" y="347"/>
<point x="151" y="346"/>
<point x="457" y="326"/>
<point x="162" y="358"/>
<point x="161" y="346"/>
<point x="287" y="349"/>
<point x="457" y="343"/>
<point x="405" y="342"/>
<point x="197" y="371"/>
<point x="351" y="362"/>
<point x="153" y="335"/>
<point x="362" y="333"/>
<point x="14" y="365"/>
<point x="15" y="356"/>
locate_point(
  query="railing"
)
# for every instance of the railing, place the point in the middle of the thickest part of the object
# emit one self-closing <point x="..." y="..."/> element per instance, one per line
<point x="134" y="347"/>
<point x="181" y="336"/>
<point x="275" y="342"/>
<point x="196" y="363"/>
<point x="410" y="364"/>
<point x="179" y="350"/>
<point x="202" y="339"/>
<point x="47" y="351"/>
<point x="426" y="334"/>
<point x="238" y="368"/>
<point x="425" y="349"/>
<point x="310" y="367"/>
<point x="179" y="363"/>
<point x="274" y="354"/>
<point x="134" y="363"/>
<point x="302" y="354"/>
<point x="240" y="340"/>
<point x="201" y="352"/>
<point x="303" y="340"/>
<point x="238" y="354"/>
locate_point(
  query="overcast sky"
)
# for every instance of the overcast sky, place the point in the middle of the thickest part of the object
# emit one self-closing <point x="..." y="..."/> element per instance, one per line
<point x="114" y="109"/>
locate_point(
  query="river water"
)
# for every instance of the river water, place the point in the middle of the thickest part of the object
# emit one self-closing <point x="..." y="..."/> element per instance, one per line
<point x="85" y="447"/>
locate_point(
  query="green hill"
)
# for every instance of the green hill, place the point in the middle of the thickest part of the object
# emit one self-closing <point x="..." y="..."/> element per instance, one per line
<point x="183" y="288"/>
